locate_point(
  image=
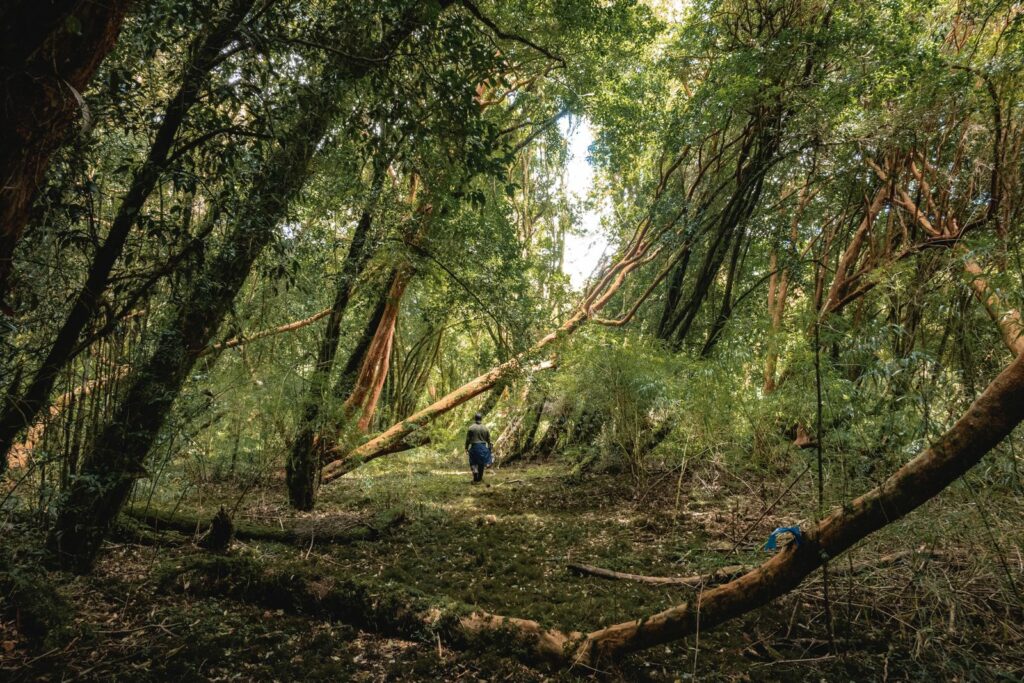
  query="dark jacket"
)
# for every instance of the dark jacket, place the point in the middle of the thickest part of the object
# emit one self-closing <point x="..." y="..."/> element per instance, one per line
<point x="477" y="433"/>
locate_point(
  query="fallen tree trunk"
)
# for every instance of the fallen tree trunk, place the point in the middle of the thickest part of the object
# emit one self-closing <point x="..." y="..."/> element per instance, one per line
<point x="303" y="533"/>
<point x="991" y="417"/>
<point x="383" y="609"/>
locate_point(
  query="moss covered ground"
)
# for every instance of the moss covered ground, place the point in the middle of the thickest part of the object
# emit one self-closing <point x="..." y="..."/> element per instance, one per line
<point x="503" y="547"/>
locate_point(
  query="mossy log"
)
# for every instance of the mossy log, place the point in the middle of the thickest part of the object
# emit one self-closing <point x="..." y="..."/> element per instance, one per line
<point x="384" y="609"/>
<point x="299" y="533"/>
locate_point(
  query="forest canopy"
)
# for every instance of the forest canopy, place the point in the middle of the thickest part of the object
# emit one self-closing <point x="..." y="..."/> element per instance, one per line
<point x="263" y="261"/>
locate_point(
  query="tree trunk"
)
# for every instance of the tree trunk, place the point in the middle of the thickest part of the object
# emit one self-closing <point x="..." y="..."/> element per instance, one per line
<point x="752" y="165"/>
<point x="202" y="57"/>
<point x="303" y="464"/>
<point x="778" y="289"/>
<point x="49" y="51"/>
<point x="117" y="459"/>
<point x="778" y="286"/>
<point x="347" y="379"/>
<point x="517" y="438"/>
<point x="725" y="312"/>
<point x="376" y="362"/>
<point x="1011" y="329"/>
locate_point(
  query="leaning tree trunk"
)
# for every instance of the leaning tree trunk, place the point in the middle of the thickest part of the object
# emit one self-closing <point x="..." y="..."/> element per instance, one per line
<point x="778" y="287"/>
<point x="374" y="370"/>
<point x="203" y="56"/>
<point x="1007" y="318"/>
<point x="347" y="378"/>
<point x="303" y="464"/>
<point x="725" y="312"/>
<point x="642" y="248"/>
<point x="118" y="456"/>
<point x="753" y="163"/>
<point x="49" y="52"/>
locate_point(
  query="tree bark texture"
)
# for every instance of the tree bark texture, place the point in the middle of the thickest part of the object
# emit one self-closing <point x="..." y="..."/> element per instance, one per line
<point x="374" y="370"/>
<point x="49" y="51"/>
<point x="303" y="465"/>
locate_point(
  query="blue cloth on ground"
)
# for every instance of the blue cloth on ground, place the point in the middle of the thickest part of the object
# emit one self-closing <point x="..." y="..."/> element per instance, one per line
<point x="773" y="538"/>
<point x="480" y="454"/>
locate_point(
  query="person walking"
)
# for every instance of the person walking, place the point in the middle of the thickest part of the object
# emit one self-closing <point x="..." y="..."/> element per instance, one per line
<point x="478" y="447"/>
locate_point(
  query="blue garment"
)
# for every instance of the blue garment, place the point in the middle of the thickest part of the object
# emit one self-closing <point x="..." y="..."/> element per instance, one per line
<point x="480" y="454"/>
<point x="773" y="539"/>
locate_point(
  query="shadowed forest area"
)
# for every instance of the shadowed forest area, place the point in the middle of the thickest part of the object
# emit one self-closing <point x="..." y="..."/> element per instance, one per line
<point x="752" y="395"/>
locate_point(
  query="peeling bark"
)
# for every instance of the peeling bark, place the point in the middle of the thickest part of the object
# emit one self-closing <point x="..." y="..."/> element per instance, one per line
<point x="374" y="370"/>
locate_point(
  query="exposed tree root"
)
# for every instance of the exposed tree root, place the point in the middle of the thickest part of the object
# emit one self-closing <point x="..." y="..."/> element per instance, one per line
<point x="300" y="534"/>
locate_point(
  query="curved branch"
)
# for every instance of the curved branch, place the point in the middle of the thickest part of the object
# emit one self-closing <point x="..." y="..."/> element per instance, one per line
<point x="504" y="35"/>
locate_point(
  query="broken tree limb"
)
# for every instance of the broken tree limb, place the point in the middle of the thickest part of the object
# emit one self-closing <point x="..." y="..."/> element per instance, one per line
<point x="695" y="581"/>
<point x="732" y="571"/>
<point x="1006" y="317"/>
<point x="280" y="329"/>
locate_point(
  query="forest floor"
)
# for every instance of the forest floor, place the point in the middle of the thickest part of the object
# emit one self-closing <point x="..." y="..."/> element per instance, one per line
<point x="504" y="547"/>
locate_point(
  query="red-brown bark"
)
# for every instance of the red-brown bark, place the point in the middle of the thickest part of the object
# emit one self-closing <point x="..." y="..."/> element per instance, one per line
<point x="49" y="51"/>
<point x="374" y="370"/>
